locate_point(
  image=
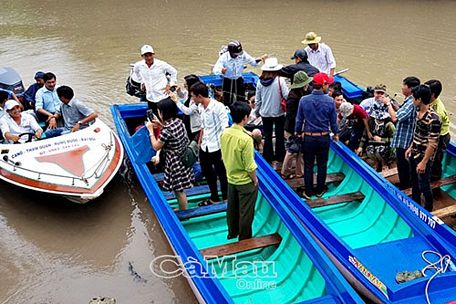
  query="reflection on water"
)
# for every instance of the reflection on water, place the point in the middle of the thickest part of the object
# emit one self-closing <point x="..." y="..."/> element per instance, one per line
<point x="54" y="252"/>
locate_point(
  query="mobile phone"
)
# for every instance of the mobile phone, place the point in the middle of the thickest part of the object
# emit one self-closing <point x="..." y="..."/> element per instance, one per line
<point x="173" y="89"/>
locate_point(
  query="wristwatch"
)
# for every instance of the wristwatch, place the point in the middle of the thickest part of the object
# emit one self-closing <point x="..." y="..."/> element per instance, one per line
<point x="79" y="122"/>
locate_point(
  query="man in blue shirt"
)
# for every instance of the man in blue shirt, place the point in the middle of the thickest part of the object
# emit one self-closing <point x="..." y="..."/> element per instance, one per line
<point x="316" y="118"/>
<point x="47" y="101"/>
<point x="405" y="125"/>
<point x="230" y="65"/>
<point x="30" y="94"/>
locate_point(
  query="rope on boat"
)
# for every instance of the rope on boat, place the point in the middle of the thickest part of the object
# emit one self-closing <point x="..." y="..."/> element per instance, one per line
<point x="440" y="266"/>
<point x="104" y="160"/>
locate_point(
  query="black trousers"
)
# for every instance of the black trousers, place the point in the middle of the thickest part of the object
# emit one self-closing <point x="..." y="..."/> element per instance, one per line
<point x="233" y="89"/>
<point x="403" y="169"/>
<point x="274" y="125"/>
<point x="241" y="209"/>
<point x="212" y="166"/>
<point x="315" y="147"/>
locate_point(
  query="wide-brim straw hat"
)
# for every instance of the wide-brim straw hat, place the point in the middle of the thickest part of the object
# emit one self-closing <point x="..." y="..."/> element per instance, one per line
<point x="271" y="64"/>
<point x="311" y="38"/>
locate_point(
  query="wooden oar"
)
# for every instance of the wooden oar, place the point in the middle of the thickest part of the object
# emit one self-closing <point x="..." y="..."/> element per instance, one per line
<point x="342" y="71"/>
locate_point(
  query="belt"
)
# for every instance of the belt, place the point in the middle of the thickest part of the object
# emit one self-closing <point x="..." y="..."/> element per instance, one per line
<point x="316" y="133"/>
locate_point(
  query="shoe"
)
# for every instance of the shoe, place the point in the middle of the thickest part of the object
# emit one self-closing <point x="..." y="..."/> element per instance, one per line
<point x="320" y="194"/>
<point x="307" y="197"/>
<point x="231" y="236"/>
<point x="205" y="203"/>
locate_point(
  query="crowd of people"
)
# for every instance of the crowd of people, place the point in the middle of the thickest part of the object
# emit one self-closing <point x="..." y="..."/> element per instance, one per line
<point x="44" y="111"/>
<point x="293" y="124"/>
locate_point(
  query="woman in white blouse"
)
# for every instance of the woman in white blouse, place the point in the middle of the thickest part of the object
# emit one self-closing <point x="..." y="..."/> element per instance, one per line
<point x="17" y="123"/>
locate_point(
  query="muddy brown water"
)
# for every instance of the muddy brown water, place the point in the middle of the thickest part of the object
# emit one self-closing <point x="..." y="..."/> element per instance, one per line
<point x="52" y="251"/>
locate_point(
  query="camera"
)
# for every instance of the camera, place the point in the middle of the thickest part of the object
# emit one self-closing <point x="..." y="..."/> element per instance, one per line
<point x="173" y="89"/>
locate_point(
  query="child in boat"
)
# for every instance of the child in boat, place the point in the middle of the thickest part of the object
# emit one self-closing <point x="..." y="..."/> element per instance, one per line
<point x="241" y="173"/>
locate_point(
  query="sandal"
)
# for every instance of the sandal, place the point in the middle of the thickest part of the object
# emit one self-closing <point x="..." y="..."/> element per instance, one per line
<point x="205" y="203"/>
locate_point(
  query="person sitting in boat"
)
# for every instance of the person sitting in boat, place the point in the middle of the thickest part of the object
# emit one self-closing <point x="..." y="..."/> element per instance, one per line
<point x="185" y="103"/>
<point x="30" y="94"/>
<point x="17" y="123"/>
<point x="173" y="141"/>
<point x="301" y="64"/>
<point x="382" y="129"/>
<point x="230" y="65"/>
<point x="47" y="101"/>
<point x="380" y="102"/>
<point x="76" y="115"/>
<point x="355" y="124"/>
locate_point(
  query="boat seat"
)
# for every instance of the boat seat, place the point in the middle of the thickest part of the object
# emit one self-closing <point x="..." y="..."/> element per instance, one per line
<point x="241" y="246"/>
<point x="445" y="212"/>
<point x="441" y="182"/>
<point x="201" y="211"/>
<point x="297" y="183"/>
<point x="336" y="199"/>
<point x="389" y="172"/>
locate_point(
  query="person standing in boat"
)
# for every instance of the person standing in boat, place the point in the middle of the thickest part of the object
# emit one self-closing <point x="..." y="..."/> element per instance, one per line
<point x="214" y="119"/>
<point x="76" y="115"/>
<point x="301" y="64"/>
<point x="315" y="120"/>
<point x="320" y="55"/>
<point x="47" y="101"/>
<point x="230" y="65"/>
<point x="404" y="131"/>
<point x="173" y="140"/>
<point x="30" y="94"/>
<point x="17" y="123"/>
<point x="355" y="123"/>
<point x="444" y="139"/>
<point x="153" y="74"/>
<point x="241" y="173"/>
<point x="424" y="144"/>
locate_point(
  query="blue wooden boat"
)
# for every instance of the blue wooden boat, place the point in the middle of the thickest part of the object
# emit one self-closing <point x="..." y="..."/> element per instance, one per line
<point x="298" y="270"/>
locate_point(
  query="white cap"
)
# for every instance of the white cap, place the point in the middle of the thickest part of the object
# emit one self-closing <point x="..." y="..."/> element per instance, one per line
<point x="147" y="49"/>
<point x="11" y="104"/>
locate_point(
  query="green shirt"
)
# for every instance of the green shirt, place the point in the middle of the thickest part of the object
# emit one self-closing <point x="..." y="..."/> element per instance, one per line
<point x="439" y="108"/>
<point x="238" y="155"/>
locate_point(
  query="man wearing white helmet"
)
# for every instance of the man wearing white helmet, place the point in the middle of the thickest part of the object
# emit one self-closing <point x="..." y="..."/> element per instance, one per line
<point x="231" y="65"/>
<point x="152" y="73"/>
<point x="320" y="55"/>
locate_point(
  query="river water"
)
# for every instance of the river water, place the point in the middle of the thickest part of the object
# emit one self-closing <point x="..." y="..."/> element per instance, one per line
<point x="52" y="251"/>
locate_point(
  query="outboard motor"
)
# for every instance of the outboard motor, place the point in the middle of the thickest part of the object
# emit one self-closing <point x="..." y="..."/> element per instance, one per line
<point x="11" y="81"/>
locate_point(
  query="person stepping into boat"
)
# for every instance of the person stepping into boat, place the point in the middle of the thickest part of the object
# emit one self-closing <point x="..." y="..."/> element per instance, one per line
<point x="76" y="115"/>
<point x="316" y="118"/>
<point x="422" y="150"/>
<point x="173" y="140"/>
<point x="152" y="73"/>
<point x="214" y="119"/>
<point x="320" y="55"/>
<point x="241" y="173"/>
<point x="230" y="65"/>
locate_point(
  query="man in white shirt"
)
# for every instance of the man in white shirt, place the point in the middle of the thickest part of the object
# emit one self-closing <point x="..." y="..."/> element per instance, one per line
<point x="214" y="119"/>
<point x="319" y="54"/>
<point x="152" y="73"/>
<point x="230" y="65"/>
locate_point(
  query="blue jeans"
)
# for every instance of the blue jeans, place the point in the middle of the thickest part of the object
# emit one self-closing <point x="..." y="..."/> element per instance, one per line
<point x="421" y="183"/>
<point x="315" y="147"/>
<point x="56" y="132"/>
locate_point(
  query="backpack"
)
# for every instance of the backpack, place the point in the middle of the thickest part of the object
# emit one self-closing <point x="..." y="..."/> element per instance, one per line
<point x="190" y="155"/>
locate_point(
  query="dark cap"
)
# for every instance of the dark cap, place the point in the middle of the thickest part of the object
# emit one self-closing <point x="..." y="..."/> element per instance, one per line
<point x="301" y="53"/>
<point x="39" y="75"/>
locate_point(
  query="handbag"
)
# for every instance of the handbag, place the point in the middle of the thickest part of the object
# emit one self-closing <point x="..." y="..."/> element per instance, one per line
<point x="283" y="101"/>
<point x="190" y="155"/>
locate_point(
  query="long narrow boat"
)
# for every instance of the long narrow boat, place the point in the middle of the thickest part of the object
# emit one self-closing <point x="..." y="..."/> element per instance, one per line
<point x="372" y="231"/>
<point x="281" y="264"/>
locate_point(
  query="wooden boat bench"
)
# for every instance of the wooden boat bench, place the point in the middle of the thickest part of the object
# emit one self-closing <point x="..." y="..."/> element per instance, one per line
<point x="336" y="199"/>
<point x="201" y="211"/>
<point x="440" y="183"/>
<point x="445" y="212"/>
<point x="241" y="246"/>
<point x="297" y="183"/>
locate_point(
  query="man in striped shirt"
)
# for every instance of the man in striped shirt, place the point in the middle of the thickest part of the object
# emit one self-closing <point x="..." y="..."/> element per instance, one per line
<point x="422" y="150"/>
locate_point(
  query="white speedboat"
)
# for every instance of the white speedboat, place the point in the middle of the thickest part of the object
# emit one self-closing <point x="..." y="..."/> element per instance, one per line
<point x="76" y="166"/>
